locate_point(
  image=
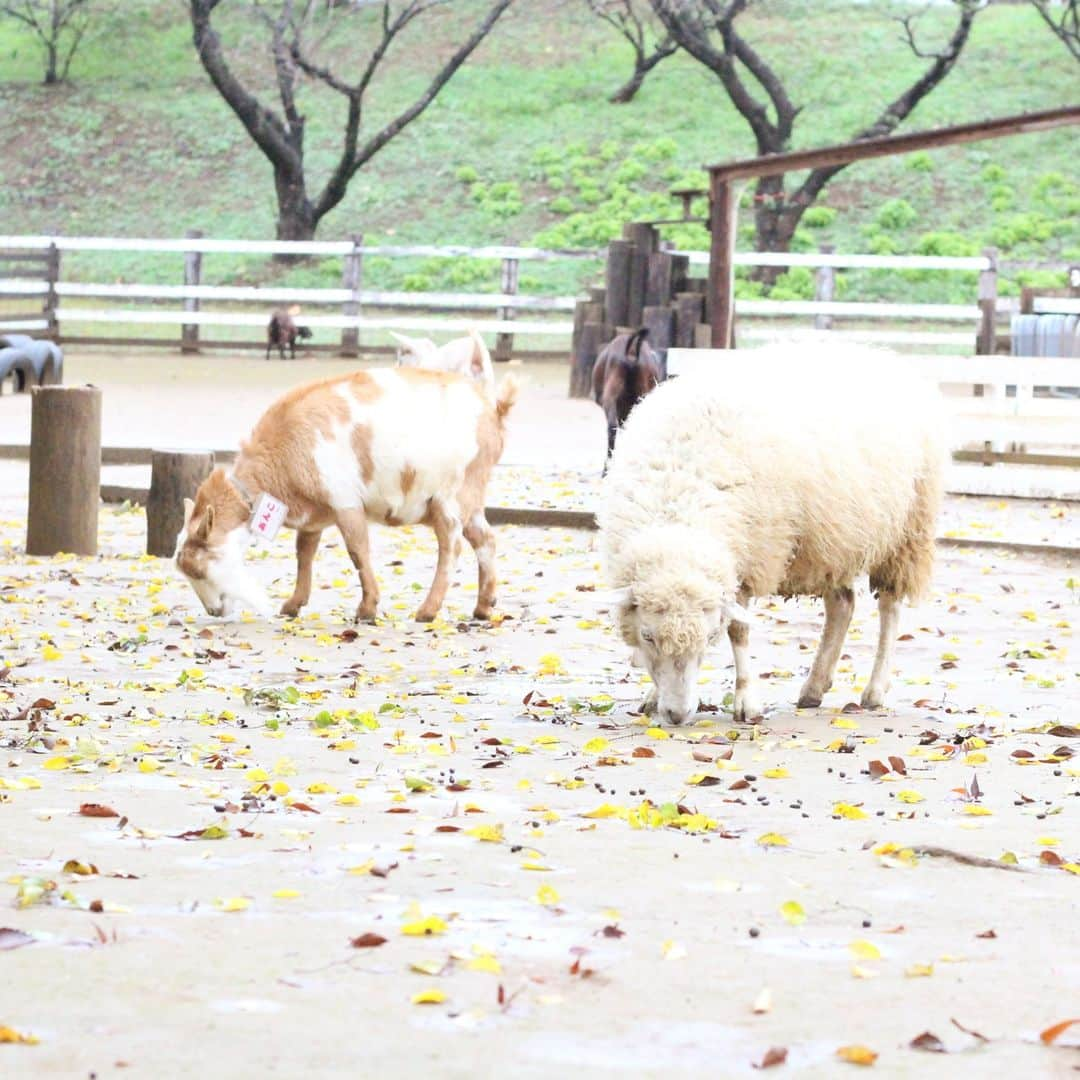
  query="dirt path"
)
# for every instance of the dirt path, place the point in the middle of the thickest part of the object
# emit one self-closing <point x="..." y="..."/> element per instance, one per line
<point x="596" y="894"/>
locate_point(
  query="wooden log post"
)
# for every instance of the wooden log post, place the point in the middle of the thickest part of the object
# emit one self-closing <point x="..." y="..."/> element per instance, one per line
<point x="65" y="470"/>
<point x="645" y="240"/>
<point x="52" y="279"/>
<point x="504" y="343"/>
<point x="824" y="288"/>
<point x="594" y="336"/>
<point x="617" y="280"/>
<point x="986" y="342"/>
<point x="689" y="311"/>
<point x="722" y="223"/>
<point x="658" y="290"/>
<point x="175" y="475"/>
<point x="189" y="332"/>
<point x="659" y="320"/>
<point x="351" y="278"/>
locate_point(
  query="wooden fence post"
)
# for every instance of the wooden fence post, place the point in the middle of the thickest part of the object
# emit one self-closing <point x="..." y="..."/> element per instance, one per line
<point x="617" y="280"/>
<point x="65" y="470"/>
<point x="175" y="475"/>
<point x="594" y="336"/>
<point x="824" y="288"/>
<point x="504" y="343"/>
<point x="722" y="224"/>
<point x="351" y="278"/>
<point x="986" y="343"/>
<point x="52" y="279"/>
<point x="660" y="322"/>
<point x="189" y="332"/>
<point x="689" y="309"/>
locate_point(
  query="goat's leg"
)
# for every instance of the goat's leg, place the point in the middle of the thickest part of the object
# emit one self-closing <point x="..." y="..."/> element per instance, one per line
<point x="482" y="540"/>
<point x="354" y="531"/>
<point x="747" y="703"/>
<point x="839" y="604"/>
<point x="873" y="697"/>
<point x="307" y="543"/>
<point x="611" y="433"/>
<point x="445" y="521"/>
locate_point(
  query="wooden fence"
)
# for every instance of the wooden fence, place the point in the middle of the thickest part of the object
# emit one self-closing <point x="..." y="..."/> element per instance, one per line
<point x="347" y="311"/>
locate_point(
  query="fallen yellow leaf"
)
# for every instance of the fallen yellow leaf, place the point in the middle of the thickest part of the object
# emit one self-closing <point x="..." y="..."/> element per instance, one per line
<point x="857" y="1055"/>
<point x="793" y="912"/>
<point x="429" y="997"/>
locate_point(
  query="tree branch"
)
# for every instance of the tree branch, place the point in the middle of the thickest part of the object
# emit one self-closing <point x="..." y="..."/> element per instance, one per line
<point x="1067" y="30"/>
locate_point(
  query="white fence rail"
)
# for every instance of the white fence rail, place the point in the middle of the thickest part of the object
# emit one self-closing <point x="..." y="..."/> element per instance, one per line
<point x="357" y="305"/>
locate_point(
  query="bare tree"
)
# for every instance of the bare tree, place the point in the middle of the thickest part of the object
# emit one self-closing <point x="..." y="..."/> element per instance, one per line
<point x="59" y="26"/>
<point x="279" y="134"/>
<point x="1067" y="24"/>
<point x="707" y="30"/>
<point x="634" y="25"/>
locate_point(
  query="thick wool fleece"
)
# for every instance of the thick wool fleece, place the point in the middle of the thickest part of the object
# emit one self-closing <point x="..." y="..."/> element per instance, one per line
<point x="790" y="475"/>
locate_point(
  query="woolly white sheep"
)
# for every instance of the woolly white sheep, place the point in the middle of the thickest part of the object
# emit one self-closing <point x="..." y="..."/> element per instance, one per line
<point x="791" y="476"/>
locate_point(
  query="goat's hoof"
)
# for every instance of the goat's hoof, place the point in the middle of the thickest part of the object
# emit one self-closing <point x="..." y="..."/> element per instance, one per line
<point x="872" y="699"/>
<point x="483" y="613"/>
<point x="425" y="616"/>
<point x="290" y="611"/>
<point x="365" y="616"/>
<point x="808" y="701"/>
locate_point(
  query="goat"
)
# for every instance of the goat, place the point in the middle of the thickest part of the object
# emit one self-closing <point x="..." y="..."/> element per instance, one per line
<point x="282" y="332"/>
<point x="395" y="446"/>
<point x="466" y="356"/>
<point x="624" y="372"/>
<point x="791" y="475"/>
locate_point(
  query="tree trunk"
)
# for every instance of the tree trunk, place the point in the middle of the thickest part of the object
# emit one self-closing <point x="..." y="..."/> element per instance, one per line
<point x="51" y="77"/>
<point x="774" y="224"/>
<point x="296" y="214"/>
<point x="629" y="88"/>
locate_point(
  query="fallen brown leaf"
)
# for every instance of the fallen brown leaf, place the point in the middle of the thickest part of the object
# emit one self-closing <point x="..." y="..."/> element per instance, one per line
<point x="367" y="941"/>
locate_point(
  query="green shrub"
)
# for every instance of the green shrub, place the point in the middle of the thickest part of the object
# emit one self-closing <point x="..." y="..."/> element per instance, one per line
<point x="561" y="205"/>
<point x="478" y="192"/>
<point x="416" y="283"/>
<point x="819" y="217"/>
<point x="467" y="174"/>
<point x="993" y="174"/>
<point x="609" y="150"/>
<point x="896" y="214"/>
<point x="794" y="284"/>
<point x="946" y="243"/>
<point x="879" y="243"/>
<point x="663" y="149"/>
<point x="1002" y="197"/>
<point x="556" y="183"/>
<point x="631" y="170"/>
<point x="920" y="161"/>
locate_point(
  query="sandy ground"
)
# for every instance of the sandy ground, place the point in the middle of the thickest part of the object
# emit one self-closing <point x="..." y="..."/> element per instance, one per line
<point x="559" y="885"/>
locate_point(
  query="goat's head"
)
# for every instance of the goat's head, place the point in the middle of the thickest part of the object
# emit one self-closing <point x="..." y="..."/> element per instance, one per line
<point x="415" y="352"/>
<point x="210" y="549"/>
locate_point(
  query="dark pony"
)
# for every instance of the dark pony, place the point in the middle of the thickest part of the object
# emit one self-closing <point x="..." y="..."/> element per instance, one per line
<point x="625" y="371"/>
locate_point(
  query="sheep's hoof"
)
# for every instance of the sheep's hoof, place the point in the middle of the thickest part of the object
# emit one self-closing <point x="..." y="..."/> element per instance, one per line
<point x="872" y="698"/>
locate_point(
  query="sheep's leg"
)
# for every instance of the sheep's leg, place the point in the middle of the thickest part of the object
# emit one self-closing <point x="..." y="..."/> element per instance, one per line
<point x="747" y="696"/>
<point x="352" y="525"/>
<point x="482" y="540"/>
<point x="445" y="521"/>
<point x="839" y="605"/>
<point x="307" y="543"/>
<point x="873" y="697"/>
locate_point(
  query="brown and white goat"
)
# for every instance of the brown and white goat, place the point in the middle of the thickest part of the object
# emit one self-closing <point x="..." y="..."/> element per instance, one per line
<point x="625" y="371"/>
<point x="282" y="332"/>
<point x="393" y="446"/>
<point x="467" y="356"/>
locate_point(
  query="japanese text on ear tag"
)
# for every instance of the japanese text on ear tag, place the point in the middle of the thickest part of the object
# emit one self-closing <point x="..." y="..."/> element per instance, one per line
<point x="267" y="517"/>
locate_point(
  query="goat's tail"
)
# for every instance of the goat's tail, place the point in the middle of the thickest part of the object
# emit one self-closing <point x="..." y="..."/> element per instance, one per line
<point x="506" y="396"/>
<point x="633" y="343"/>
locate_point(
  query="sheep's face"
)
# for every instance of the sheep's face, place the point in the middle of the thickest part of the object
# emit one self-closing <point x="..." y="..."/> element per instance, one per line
<point x="210" y="554"/>
<point x="670" y="641"/>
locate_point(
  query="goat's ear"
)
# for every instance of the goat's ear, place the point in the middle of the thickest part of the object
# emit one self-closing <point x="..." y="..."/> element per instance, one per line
<point x="405" y="342"/>
<point x="189" y="505"/>
<point x="202" y="531"/>
<point x="476" y="364"/>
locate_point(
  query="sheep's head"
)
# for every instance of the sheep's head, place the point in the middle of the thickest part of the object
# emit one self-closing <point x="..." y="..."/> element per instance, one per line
<point x="210" y="549"/>
<point x="671" y="615"/>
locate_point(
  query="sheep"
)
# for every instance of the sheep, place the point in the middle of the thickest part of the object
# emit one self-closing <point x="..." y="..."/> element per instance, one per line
<point x="624" y="372"/>
<point x="789" y="475"/>
<point x="282" y="332"/>
<point x="400" y="447"/>
<point x="467" y="356"/>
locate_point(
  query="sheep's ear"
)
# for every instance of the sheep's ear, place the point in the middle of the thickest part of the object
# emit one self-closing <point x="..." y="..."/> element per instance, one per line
<point x="476" y="366"/>
<point x="733" y="611"/>
<point x="189" y="505"/>
<point x="612" y="598"/>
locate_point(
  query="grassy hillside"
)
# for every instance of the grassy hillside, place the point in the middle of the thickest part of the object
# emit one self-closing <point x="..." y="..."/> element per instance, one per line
<point x="522" y="147"/>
